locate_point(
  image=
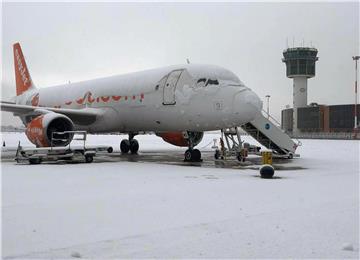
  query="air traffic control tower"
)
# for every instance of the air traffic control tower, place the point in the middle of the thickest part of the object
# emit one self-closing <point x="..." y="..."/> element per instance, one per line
<point x="300" y="65"/>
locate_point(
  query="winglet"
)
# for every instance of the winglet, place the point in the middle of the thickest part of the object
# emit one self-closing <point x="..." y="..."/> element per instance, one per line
<point x="22" y="75"/>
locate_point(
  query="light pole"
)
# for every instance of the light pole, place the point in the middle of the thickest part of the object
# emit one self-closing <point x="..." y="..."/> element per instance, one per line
<point x="356" y="58"/>
<point x="267" y="109"/>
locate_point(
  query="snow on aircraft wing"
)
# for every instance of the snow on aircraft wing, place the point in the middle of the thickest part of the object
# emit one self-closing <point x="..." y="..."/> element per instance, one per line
<point x="83" y="116"/>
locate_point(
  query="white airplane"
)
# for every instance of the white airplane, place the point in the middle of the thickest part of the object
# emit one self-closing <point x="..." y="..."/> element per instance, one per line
<point x="178" y="103"/>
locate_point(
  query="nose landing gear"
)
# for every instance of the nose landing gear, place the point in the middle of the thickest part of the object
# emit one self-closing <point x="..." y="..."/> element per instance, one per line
<point x="192" y="155"/>
<point x="130" y="144"/>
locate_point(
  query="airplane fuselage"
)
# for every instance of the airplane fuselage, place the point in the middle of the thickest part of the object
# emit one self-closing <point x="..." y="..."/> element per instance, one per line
<point x="176" y="98"/>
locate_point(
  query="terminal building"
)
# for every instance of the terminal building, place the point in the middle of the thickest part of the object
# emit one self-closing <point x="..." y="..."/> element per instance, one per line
<point x="320" y="118"/>
<point x="313" y="118"/>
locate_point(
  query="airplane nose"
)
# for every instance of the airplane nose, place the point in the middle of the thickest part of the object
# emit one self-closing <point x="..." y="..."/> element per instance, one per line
<point x="253" y="100"/>
<point x="247" y="105"/>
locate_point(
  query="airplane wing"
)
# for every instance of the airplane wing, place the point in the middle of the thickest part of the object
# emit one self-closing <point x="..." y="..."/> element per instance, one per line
<point x="83" y="116"/>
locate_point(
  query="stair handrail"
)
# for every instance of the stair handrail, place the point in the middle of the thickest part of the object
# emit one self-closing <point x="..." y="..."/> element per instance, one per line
<point x="273" y="120"/>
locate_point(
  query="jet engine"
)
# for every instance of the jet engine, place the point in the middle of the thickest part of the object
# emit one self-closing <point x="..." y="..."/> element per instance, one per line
<point x="182" y="138"/>
<point x="39" y="130"/>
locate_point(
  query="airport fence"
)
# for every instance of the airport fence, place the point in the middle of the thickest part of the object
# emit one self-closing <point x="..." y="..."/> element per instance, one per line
<point x="333" y="135"/>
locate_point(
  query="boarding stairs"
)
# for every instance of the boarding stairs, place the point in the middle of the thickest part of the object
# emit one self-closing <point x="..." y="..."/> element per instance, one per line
<point x="267" y="131"/>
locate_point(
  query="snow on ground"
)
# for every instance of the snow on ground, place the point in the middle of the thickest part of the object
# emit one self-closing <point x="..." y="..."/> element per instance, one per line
<point x="132" y="209"/>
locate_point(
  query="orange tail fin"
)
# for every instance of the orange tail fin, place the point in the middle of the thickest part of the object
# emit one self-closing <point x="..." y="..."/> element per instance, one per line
<point x="22" y="75"/>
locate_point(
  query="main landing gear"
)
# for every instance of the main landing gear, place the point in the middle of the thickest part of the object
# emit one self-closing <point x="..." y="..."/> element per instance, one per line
<point x="130" y="144"/>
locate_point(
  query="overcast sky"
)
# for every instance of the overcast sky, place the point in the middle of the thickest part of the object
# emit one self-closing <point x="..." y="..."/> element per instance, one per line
<point x="77" y="41"/>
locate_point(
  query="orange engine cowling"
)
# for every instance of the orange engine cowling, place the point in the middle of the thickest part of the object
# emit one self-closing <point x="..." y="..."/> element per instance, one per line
<point x="39" y="130"/>
<point x="182" y="139"/>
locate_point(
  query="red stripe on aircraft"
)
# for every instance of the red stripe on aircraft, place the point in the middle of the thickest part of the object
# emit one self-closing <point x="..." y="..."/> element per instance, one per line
<point x="105" y="99"/>
<point x="90" y="99"/>
<point x="116" y="98"/>
<point x="80" y="101"/>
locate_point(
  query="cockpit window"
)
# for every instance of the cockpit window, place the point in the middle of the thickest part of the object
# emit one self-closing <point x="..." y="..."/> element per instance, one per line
<point x="212" y="82"/>
<point x="206" y="82"/>
<point x="201" y="80"/>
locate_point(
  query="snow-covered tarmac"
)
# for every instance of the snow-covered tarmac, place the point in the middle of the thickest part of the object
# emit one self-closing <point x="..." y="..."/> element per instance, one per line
<point x="118" y="208"/>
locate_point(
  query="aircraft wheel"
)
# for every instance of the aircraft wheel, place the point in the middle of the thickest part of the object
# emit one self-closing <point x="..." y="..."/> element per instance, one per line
<point x="188" y="155"/>
<point x="134" y="146"/>
<point x="125" y="146"/>
<point x="89" y="158"/>
<point x="192" y="155"/>
<point x="35" y="160"/>
<point x="196" y="155"/>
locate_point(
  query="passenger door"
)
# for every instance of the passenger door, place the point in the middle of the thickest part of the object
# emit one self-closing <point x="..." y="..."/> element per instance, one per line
<point x="170" y="86"/>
